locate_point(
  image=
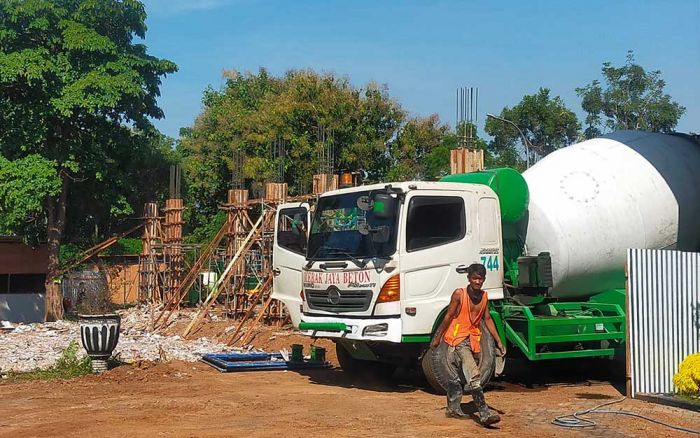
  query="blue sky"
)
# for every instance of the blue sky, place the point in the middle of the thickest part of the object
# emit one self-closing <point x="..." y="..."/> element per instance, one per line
<point x="424" y="50"/>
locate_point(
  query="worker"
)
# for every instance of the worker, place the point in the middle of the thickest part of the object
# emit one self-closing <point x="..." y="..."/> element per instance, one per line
<point x="460" y="329"/>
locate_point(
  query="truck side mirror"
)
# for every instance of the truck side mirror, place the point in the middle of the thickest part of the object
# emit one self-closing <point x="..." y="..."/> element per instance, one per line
<point x="384" y="206"/>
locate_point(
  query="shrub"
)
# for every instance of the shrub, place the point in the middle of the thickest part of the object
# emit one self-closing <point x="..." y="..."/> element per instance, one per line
<point x="66" y="367"/>
<point x="687" y="380"/>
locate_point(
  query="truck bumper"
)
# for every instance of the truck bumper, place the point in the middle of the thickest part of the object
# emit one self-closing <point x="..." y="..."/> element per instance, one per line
<point x="384" y="329"/>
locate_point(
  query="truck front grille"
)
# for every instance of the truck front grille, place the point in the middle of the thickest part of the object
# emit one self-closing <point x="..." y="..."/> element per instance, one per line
<point x="338" y="301"/>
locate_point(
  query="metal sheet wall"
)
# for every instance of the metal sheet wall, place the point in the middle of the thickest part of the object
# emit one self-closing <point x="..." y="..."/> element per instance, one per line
<point x="663" y="311"/>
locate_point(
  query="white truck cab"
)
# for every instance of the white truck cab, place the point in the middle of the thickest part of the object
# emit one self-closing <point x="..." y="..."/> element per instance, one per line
<point x="379" y="263"/>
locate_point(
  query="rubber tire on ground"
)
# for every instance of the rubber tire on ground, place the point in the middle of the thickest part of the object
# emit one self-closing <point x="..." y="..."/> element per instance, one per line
<point x="358" y="367"/>
<point x="437" y="373"/>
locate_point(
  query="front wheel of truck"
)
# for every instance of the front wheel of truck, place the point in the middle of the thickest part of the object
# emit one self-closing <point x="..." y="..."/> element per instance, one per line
<point x="437" y="373"/>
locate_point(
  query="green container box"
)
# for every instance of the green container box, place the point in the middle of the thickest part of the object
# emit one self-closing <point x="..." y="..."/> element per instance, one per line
<point x="297" y="353"/>
<point x="318" y="354"/>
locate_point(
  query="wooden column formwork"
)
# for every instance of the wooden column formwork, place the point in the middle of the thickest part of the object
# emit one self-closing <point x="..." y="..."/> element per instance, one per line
<point x="238" y="226"/>
<point x="148" y="261"/>
<point x="247" y="255"/>
<point x="275" y="194"/>
<point x="324" y="182"/>
<point x="466" y="160"/>
<point x="172" y="246"/>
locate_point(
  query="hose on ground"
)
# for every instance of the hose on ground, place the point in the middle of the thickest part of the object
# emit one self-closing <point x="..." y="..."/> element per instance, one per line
<point x="575" y="420"/>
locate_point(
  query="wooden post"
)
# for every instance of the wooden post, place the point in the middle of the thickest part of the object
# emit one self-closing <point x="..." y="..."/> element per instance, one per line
<point x="466" y="160"/>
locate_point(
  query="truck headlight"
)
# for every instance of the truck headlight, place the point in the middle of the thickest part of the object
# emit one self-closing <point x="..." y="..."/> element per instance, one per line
<point x="376" y="330"/>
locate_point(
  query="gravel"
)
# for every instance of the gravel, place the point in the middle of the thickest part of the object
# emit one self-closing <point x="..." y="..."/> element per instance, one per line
<point x="25" y="347"/>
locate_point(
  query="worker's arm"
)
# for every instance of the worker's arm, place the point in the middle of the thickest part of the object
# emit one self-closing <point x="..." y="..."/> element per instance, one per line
<point x="492" y="329"/>
<point x="451" y="314"/>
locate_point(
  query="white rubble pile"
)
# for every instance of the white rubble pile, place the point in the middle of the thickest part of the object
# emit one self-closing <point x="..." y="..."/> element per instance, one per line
<point x="39" y="345"/>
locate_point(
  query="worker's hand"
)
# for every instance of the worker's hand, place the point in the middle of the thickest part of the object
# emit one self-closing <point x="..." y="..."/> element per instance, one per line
<point x="500" y="349"/>
<point x="435" y="342"/>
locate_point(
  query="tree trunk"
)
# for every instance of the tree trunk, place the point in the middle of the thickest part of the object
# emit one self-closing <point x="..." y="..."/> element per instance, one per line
<point x="53" y="302"/>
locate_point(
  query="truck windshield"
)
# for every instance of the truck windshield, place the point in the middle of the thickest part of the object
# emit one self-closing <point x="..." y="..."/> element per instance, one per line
<point x="334" y="231"/>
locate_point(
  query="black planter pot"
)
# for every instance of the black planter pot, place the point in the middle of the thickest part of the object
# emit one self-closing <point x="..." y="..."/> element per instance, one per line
<point x="99" y="335"/>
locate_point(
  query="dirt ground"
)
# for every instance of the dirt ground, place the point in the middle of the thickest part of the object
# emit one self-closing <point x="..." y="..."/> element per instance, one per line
<point x="192" y="399"/>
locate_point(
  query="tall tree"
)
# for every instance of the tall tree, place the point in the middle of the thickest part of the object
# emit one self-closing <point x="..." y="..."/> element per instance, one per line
<point x="305" y="109"/>
<point x="546" y="123"/>
<point x="633" y="98"/>
<point x="421" y="149"/>
<point x="411" y="151"/>
<point x="76" y="93"/>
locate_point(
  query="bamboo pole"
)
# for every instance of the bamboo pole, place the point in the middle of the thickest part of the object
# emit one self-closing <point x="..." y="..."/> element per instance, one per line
<point x="250" y="310"/>
<point x="249" y="335"/>
<point x="176" y="298"/>
<point x="90" y="252"/>
<point x="216" y="290"/>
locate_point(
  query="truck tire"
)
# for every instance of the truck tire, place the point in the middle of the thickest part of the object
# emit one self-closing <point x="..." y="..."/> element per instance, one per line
<point x="437" y="373"/>
<point x="358" y="367"/>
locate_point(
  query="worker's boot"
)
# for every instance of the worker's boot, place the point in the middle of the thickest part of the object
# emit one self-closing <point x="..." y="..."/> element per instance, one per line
<point x="454" y="400"/>
<point x="486" y="417"/>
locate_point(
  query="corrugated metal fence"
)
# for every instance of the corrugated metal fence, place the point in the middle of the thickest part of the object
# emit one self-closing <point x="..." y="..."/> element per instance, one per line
<point x="663" y="314"/>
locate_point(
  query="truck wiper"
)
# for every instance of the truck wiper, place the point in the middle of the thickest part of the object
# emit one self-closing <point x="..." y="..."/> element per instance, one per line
<point x="359" y="263"/>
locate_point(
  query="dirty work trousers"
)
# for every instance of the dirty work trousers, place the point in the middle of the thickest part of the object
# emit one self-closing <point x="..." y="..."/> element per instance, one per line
<point x="462" y="358"/>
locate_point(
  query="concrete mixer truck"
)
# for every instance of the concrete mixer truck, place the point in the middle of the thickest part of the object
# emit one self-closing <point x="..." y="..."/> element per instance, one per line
<point x="380" y="262"/>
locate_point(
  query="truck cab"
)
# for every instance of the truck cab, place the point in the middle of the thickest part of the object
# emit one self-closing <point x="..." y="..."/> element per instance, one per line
<point x="380" y="262"/>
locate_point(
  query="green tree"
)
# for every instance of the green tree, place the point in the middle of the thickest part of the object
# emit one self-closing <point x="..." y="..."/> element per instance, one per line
<point x="633" y="98"/>
<point x="546" y="123"/>
<point x="302" y="108"/>
<point x="413" y="153"/>
<point x="76" y="94"/>
<point x="421" y="150"/>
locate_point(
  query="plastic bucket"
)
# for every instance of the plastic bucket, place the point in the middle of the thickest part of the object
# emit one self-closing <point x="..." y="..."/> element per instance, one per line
<point x="297" y="353"/>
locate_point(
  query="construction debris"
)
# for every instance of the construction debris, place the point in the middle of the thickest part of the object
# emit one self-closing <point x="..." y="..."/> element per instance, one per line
<point x="39" y="345"/>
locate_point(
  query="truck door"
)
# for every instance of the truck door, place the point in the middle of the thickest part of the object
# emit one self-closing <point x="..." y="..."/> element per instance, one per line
<point x="437" y="237"/>
<point x="490" y="248"/>
<point x="288" y="256"/>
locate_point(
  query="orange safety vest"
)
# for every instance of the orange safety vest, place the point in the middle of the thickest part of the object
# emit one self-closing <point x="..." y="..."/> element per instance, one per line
<point x="462" y="327"/>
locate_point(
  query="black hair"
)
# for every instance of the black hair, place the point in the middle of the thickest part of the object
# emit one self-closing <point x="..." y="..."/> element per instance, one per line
<point x="476" y="268"/>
